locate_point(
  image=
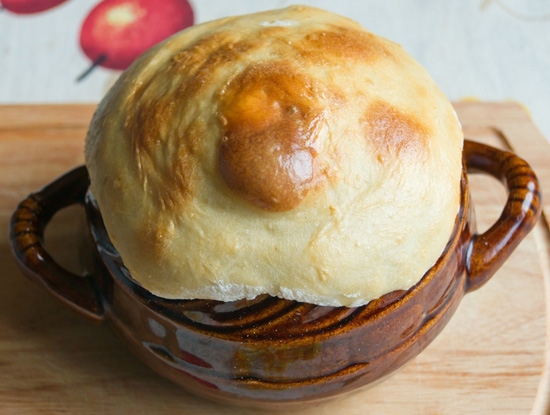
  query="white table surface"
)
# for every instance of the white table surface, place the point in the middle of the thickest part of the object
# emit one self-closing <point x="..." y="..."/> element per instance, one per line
<point x="491" y="50"/>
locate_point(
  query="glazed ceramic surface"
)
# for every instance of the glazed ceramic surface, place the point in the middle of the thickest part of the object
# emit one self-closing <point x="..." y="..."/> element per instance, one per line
<point x="269" y="352"/>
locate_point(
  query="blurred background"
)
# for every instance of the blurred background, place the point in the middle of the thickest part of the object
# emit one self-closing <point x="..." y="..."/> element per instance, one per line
<point x="490" y="50"/>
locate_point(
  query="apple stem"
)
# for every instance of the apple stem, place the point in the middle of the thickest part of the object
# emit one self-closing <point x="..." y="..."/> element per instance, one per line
<point x="98" y="61"/>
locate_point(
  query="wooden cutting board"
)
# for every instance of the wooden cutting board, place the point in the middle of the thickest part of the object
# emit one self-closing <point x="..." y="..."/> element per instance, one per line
<point x="493" y="356"/>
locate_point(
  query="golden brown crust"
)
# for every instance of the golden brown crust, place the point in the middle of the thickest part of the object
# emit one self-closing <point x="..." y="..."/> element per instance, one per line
<point x="169" y="178"/>
<point x="338" y="44"/>
<point x="392" y="133"/>
<point x="288" y="152"/>
<point x="271" y="122"/>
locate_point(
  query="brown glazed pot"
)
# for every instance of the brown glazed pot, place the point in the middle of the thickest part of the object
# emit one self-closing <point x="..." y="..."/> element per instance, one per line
<point x="273" y="353"/>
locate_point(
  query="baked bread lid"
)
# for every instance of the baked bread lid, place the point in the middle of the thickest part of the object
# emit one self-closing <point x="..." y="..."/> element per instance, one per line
<point x="288" y="152"/>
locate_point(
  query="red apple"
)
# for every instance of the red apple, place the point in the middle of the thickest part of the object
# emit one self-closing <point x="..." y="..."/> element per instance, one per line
<point x="116" y="32"/>
<point x="29" y="6"/>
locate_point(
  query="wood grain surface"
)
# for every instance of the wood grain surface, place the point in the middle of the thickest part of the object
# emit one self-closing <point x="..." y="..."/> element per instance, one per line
<point x="492" y="358"/>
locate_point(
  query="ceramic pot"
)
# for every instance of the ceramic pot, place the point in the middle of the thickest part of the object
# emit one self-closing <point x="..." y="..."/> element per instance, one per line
<point x="273" y="353"/>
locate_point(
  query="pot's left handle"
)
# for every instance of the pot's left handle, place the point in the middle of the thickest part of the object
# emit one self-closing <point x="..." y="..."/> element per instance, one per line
<point x="27" y="234"/>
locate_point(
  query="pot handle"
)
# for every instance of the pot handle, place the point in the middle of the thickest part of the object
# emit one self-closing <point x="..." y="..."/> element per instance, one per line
<point x="489" y="250"/>
<point x="27" y="227"/>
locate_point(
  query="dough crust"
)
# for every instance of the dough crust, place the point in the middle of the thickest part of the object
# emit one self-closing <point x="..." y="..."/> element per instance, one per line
<point x="289" y="152"/>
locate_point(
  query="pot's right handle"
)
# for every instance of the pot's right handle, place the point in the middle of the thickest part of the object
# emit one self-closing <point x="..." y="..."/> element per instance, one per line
<point x="488" y="250"/>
